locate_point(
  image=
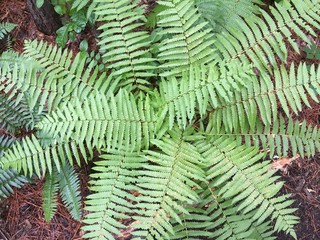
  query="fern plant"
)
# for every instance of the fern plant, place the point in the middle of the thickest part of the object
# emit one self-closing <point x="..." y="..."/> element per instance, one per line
<point x="183" y="118"/>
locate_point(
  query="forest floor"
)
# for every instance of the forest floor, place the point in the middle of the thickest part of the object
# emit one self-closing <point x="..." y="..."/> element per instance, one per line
<point x="21" y="215"/>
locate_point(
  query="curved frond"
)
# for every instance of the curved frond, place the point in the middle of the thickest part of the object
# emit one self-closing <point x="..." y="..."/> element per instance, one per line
<point x="8" y="179"/>
<point x="261" y="40"/>
<point x="5" y="28"/>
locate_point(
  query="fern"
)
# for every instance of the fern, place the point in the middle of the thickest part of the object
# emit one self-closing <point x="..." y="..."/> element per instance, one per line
<point x="290" y="90"/>
<point x="49" y="195"/>
<point x="5" y="28"/>
<point x="124" y="48"/>
<point x="260" y="40"/>
<point x="69" y="190"/>
<point x="178" y="121"/>
<point x="185" y="43"/>
<point x="223" y="14"/>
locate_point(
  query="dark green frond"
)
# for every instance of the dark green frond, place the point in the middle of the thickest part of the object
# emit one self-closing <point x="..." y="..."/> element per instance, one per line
<point x="69" y="186"/>
<point x="49" y="196"/>
<point x="8" y="180"/>
<point x="5" y="28"/>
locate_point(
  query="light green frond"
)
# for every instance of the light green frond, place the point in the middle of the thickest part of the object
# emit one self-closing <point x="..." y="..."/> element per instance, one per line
<point x="291" y="90"/>
<point x="185" y="40"/>
<point x="223" y="14"/>
<point x="167" y="186"/>
<point x="199" y="89"/>
<point x="105" y="122"/>
<point x="125" y="46"/>
<point x="63" y="76"/>
<point x="246" y="185"/>
<point x="283" y="137"/>
<point x="5" y="28"/>
<point x="69" y="188"/>
<point x="30" y="157"/>
<point x="261" y="39"/>
<point x="49" y="196"/>
<point x="113" y="188"/>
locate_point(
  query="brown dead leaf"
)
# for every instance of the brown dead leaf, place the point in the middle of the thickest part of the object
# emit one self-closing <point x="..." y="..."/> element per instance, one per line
<point x="283" y="163"/>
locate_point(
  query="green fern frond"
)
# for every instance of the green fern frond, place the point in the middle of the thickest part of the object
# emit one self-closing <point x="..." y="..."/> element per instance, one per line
<point x="105" y="122"/>
<point x="14" y="116"/>
<point x="245" y="185"/>
<point x="5" y="28"/>
<point x="290" y="91"/>
<point x="9" y="179"/>
<point x="124" y="46"/>
<point x="62" y="76"/>
<point x="167" y="186"/>
<point x="261" y="40"/>
<point x="30" y="157"/>
<point x="223" y="14"/>
<point x="283" y="137"/>
<point x="113" y="188"/>
<point x="186" y="40"/>
<point x="69" y="186"/>
<point x="198" y="89"/>
<point x="49" y="196"/>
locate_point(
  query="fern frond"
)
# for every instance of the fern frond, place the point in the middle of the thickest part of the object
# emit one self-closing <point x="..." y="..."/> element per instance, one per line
<point x="69" y="186"/>
<point x="5" y="28"/>
<point x="223" y="14"/>
<point x="62" y="76"/>
<point x="186" y="40"/>
<point x="105" y="122"/>
<point x="245" y="185"/>
<point x="9" y="179"/>
<point x="30" y="157"/>
<point x="198" y="89"/>
<point x="167" y="186"/>
<point x="49" y="196"/>
<point x="124" y="45"/>
<point x="261" y="40"/>
<point x="283" y="137"/>
<point x="113" y="188"/>
<point x="14" y="116"/>
<point x="290" y="91"/>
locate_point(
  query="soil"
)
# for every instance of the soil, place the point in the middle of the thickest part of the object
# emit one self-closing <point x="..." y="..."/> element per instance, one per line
<point x="21" y="215"/>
